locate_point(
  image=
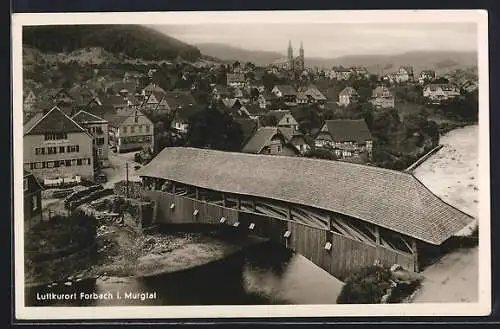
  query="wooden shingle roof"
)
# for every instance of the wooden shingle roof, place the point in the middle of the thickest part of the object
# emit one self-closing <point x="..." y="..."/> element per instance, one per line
<point x="387" y="198"/>
<point x="348" y="130"/>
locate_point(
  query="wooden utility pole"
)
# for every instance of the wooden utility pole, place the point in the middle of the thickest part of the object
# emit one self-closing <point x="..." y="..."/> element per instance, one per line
<point x="126" y="170"/>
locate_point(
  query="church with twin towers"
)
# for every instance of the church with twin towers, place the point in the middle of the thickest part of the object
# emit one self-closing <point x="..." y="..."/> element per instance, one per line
<point x="291" y="62"/>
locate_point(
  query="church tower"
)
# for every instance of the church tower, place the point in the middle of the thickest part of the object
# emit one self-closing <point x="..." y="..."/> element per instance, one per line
<point x="301" y="57"/>
<point x="290" y="54"/>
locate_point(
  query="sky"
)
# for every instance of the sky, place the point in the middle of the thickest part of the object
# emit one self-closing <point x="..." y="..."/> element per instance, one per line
<point x="330" y="40"/>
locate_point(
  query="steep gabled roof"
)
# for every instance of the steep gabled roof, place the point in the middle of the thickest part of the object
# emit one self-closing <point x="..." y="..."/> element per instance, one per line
<point x="349" y="91"/>
<point x="286" y="90"/>
<point x="55" y="121"/>
<point x="386" y="198"/>
<point x="261" y="138"/>
<point x="84" y="117"/>
<point x="348" y="130"/>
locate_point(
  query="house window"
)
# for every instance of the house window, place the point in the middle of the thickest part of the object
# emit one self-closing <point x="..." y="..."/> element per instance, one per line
<point x="78" y="162"/>
<point x="25" y="184"/>
<point x="124" y="130"/>
<point x="50" y="164"/>
<point x="147" y="128"/>
<point x="73" y="148"/>
<point x="278" y="148"/>
<point x="67" y="163"/>
<point x="61" y="149"/>
<point x="55" y="136"/>
<point x="136" y="118"/>
<point x="40" y="150"/>
<point x="34" y="202"/>
<point x="38" y="165"/>
<point x="73" y="162"/>
<point x="99" y="141"/>
<point x="99" y="151"/>
<point x="56" y="164"/>
<point x="51" y="150"/>
<point x="132" y="129"/>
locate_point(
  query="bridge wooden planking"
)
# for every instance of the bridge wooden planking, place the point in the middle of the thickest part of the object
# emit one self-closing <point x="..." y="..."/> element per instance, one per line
<point x="346" y="255"/>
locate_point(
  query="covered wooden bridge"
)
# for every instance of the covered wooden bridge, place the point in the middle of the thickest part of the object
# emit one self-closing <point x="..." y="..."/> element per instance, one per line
<point x="339" y="215"/>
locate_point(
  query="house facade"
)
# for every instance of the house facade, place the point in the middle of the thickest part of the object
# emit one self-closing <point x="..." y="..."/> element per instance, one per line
<point x="98" y="128"/>
<point x="404" y="74"/>
<point x="57" y="147"/>
<point x="426" y="76"/>
<point x="29" y="102"/>
<point x="284" y="119"/>
<point x="32" y="192"/>
<point x="348" y="96"/>
<point x="382" y="98"/>
<point x="340" y="73"/>
<point x="440" y="92"/>
<point x="285" y="92"/>
<point x="346" y="138"/>
<point x="130" y="131"/>
<point x="235" y="80"/>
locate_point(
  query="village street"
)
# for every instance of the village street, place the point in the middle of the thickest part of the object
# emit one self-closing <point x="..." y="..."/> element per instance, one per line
<point x="117" y="168"/>
<point x="452" y="174"/>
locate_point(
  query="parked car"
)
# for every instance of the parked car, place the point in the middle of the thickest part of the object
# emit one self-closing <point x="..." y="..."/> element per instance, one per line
<point x="101" y="178"/>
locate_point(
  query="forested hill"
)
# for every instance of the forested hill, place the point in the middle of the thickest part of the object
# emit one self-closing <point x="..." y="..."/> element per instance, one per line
<point x="130" y="40"/>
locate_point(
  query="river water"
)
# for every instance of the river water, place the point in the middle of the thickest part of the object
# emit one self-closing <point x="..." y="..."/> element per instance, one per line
<point x="260" y="275"/>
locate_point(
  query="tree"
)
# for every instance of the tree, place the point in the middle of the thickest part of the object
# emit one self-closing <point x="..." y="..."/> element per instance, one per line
<point x="214" y="129"/>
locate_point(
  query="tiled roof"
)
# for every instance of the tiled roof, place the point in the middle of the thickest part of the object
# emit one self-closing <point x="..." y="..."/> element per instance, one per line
<point x="387" y="198"/>
<point x="55" y="121"/>
<point x="349" y="91"/>
<point x="180" y="99"/>
<point x="260" y="139"/>
<point x="348" y="130"/>
<point x="286" y="90"/>
<point x="86" y="117"/>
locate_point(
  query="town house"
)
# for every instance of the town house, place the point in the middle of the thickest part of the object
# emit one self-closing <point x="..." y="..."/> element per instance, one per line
<point x="29" y="102"/>
<point x="269" y="140"/>
<point x="382" y="98"/>
<point x="426" y="76"/>
<point x="296" y="138"/>
<point x="286" y="93"/>
<point x="32" y="192"/>
<point x="283" y="119"/>
<point x="340" y="73"/>
<point x="348" y="96"/>
<point x="180" y="121"/>
<point x="130" y="130"/>
<point x="310" y="95"/>
<point x="98" y="128"/>
<point x="235" y="80"/>
<point x="347" y="138"/>
<point x="440" y="92"/>
<point x="56" y="147"/>
<point x="405" y="74"/>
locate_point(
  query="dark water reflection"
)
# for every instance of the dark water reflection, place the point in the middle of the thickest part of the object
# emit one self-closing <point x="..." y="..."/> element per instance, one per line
<point x="264" y="274"/>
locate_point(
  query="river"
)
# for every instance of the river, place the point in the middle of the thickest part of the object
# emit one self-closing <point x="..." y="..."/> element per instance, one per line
<point x="452" y="173"/>
<point x="259" y="275"/>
